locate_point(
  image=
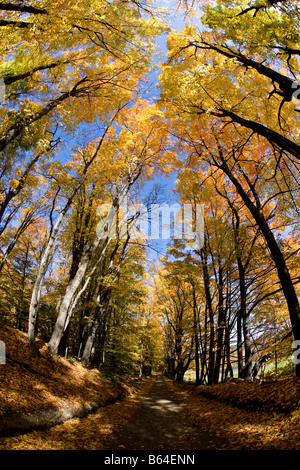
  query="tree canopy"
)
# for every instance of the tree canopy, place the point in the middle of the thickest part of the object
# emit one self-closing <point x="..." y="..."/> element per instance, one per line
<point x="82" y="131"/>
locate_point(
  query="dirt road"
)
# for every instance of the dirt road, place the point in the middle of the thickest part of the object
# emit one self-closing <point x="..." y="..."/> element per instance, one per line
<point x="161" y="423"/>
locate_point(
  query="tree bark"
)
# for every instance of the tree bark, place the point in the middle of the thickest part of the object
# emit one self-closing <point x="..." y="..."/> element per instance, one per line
<point x="9" y="79"/>
<point x="246" y="370"/>
<point x="221" y="323"/>
<point x="276" y="253"/>
<point x="239" y="339"/>
<point x="204" y="348"/>
<point x="22" y="8"/>
<point x="36" y="293"/>
<point x="272" y="136"/>
<point x="70" y="298"/>
<point x="228" y="370"/>
<point x="90" y="341"/>
<point x="195" y="316"/>
<point x="63" y="317"/>
<point x="208" y="299"/>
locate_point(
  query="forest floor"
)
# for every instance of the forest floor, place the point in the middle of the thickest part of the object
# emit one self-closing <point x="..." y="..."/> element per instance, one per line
<point x="246" y="416"/>
<point x="30" y="383"/>
<point x="230" y="416"/>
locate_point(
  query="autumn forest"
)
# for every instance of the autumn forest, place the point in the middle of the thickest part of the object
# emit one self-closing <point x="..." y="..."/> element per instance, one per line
<point x="108" y="101"/>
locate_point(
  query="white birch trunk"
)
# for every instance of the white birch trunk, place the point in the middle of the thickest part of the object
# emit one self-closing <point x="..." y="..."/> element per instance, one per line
<point x="68" y="304"/>
<point x="36" y="293"/>
<point x="69" y="300"/>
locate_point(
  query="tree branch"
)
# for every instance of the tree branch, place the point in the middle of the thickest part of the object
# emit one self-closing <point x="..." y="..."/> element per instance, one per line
<point x="22" y="8"/>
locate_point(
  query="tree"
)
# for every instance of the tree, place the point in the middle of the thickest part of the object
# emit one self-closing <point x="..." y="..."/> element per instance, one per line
<point x="172" y="293"/>
<point x="17" y="275"/>
<point x="218" y="97"/>
<point x="128" y="156"/>
<point x="34" y="305"/>
<point x="64" y="67"/>
<point x="88" y="51"/>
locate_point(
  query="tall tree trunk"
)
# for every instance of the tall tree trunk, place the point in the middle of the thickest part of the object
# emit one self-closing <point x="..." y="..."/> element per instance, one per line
<point x="204" y="348"/>
<point x="71" y="298"/>
<point x="239" y="340"/>
<point x="63" y="347"/>
<point x="82" y="225"/>
<point x="178" y="349"/>
<point x="20" y="308"/>
<point x="63" y="317"/>
<point x="171" y="369"/>
<point x="39" y="279"/>
<point x="195" y="315"/>
<point x="245" y="319"/>
<point x="180" y="372"/>
<point x="221" y="323"/>
<point x="100" y="314"/>
<point x="86" y="356"/>
<point x="276" y="253"/>
<point x="43" y="265"/>
<point x="228" y="370"/>
<point x="208" y="299"/>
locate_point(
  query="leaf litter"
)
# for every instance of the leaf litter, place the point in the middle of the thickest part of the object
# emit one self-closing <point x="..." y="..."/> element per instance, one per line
<point x="246" y="416"/>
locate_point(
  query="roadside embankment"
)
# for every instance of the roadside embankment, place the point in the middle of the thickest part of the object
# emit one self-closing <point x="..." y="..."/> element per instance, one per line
<point x="257" y="416"/>
<point x="38" y="391"/>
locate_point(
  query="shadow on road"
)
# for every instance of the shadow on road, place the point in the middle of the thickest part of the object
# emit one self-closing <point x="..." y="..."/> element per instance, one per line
<point x="161" y="423"/>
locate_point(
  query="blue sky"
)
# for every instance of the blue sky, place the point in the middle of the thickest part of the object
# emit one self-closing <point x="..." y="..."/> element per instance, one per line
<point x="166" y="183"/>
